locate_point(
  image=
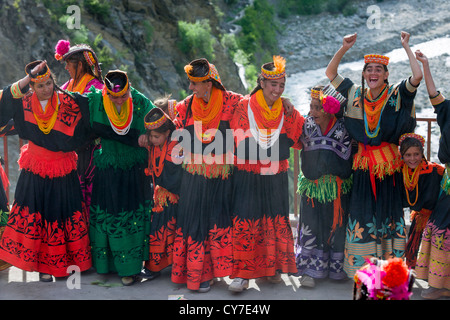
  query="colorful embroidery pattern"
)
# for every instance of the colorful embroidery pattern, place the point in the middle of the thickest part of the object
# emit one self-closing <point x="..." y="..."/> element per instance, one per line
<point x="262" y="246"/>
<point x="382" y="240"/>
<point x="197" y="261"/>
<point x="53" y="255"/>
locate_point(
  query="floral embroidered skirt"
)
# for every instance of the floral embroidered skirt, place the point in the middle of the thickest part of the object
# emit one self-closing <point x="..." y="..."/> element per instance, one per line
<point x="163" y="230"/>
<point x="120" y="220"/>
<point x="319" y="250"/>
<point x="433" y="261"/>
<point x="203" y="246"/>
<point x="262" y="236"/>
<point x="376" y="225"/>
<point x="47" y="230"/>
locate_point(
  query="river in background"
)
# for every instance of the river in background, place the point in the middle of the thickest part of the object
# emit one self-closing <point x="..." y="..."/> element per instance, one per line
<point x="312" y="41"/>
<point x="309" y="42"/>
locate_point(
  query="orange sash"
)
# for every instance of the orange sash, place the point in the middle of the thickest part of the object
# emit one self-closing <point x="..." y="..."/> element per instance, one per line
<point x="381" y="161"/>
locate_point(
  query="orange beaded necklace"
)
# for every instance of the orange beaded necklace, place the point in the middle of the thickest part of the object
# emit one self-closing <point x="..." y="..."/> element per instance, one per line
<point x="410" y="181"/>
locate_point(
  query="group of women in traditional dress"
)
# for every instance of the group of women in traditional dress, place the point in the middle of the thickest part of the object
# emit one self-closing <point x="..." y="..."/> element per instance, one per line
<point x="114" y="181"/>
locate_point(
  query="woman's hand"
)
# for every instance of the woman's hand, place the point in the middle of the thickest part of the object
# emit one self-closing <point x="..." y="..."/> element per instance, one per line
<point x="288" y="107"/>
<point x="349" y="41"/>
<point x="39" y="67"/>
<point x="404" y="37"/>
<point x="143" y="141"/>
<point x="421" y="57"/>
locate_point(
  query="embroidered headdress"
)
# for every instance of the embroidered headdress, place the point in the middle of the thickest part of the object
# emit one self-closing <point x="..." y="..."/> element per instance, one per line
<point x="413" y="136"/>
<point x="41" y="76"/>
<point x="116" y="83"/>
<point x="207" y="71"/>
<point x="331" y="99"/>
<point x="274" y="70"/>
<point x="315" y="94"/>
<point x="156" y="117"/>
<point x="376" y="58"/>
<point x="63" y="51"/>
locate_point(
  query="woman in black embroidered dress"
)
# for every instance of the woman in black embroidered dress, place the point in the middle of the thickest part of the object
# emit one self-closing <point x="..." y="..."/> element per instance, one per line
<point x="263" y="244"/>
<point x="203" y="246"/>
<point x="47" y="229"/>
<point x="376" y="117"/>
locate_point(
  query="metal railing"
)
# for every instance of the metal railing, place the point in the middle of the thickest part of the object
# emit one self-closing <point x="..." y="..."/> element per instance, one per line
<point x="297" y="162"/>
<point x="296" y="159"/>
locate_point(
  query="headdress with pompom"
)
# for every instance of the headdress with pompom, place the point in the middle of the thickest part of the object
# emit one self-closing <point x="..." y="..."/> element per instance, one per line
<point x="329" y="103"/>
<point x="384" y="280"/>
<point x="63" y="51"/>
<point x="279" y="68"/>
<point x="331" y="99"/>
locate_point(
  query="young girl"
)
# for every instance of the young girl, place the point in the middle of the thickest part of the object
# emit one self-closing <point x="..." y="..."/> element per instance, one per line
<point x="166" y="177"/>
<point x="422" y="183"/>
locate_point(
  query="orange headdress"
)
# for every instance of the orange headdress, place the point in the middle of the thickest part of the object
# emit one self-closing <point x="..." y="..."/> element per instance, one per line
<point x="278" y="68"/>
<point x="376" y="58"/>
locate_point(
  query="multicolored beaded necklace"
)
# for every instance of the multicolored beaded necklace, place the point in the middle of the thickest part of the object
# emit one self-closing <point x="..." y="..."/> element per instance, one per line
<point x="373" y="110"/>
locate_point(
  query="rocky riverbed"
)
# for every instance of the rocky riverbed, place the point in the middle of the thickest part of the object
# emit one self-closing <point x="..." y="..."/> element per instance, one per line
<point x="309" y="42"/>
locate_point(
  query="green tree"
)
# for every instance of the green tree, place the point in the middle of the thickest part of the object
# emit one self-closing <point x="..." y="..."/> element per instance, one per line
<point x="196" y="39"/>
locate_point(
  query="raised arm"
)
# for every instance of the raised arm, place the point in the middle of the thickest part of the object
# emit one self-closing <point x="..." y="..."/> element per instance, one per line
<point x="431" y="88"/>
<point x="415" y="67"/>
<point x="26" y="80"/>
<point x="332" y="68"/>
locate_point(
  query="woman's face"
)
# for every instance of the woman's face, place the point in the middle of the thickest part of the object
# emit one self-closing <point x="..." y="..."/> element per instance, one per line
<point x="272" y="89"/>
<point x="201" y="89"/>
<point x="375" y="75"/>
<point x="74" y="68"/>
<point x="118" y="101"/>
<point x="157" y="138"/>
<point x="413" y="157"/>
<point x="320" y="117"/>
<point x="44" y="90"/>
